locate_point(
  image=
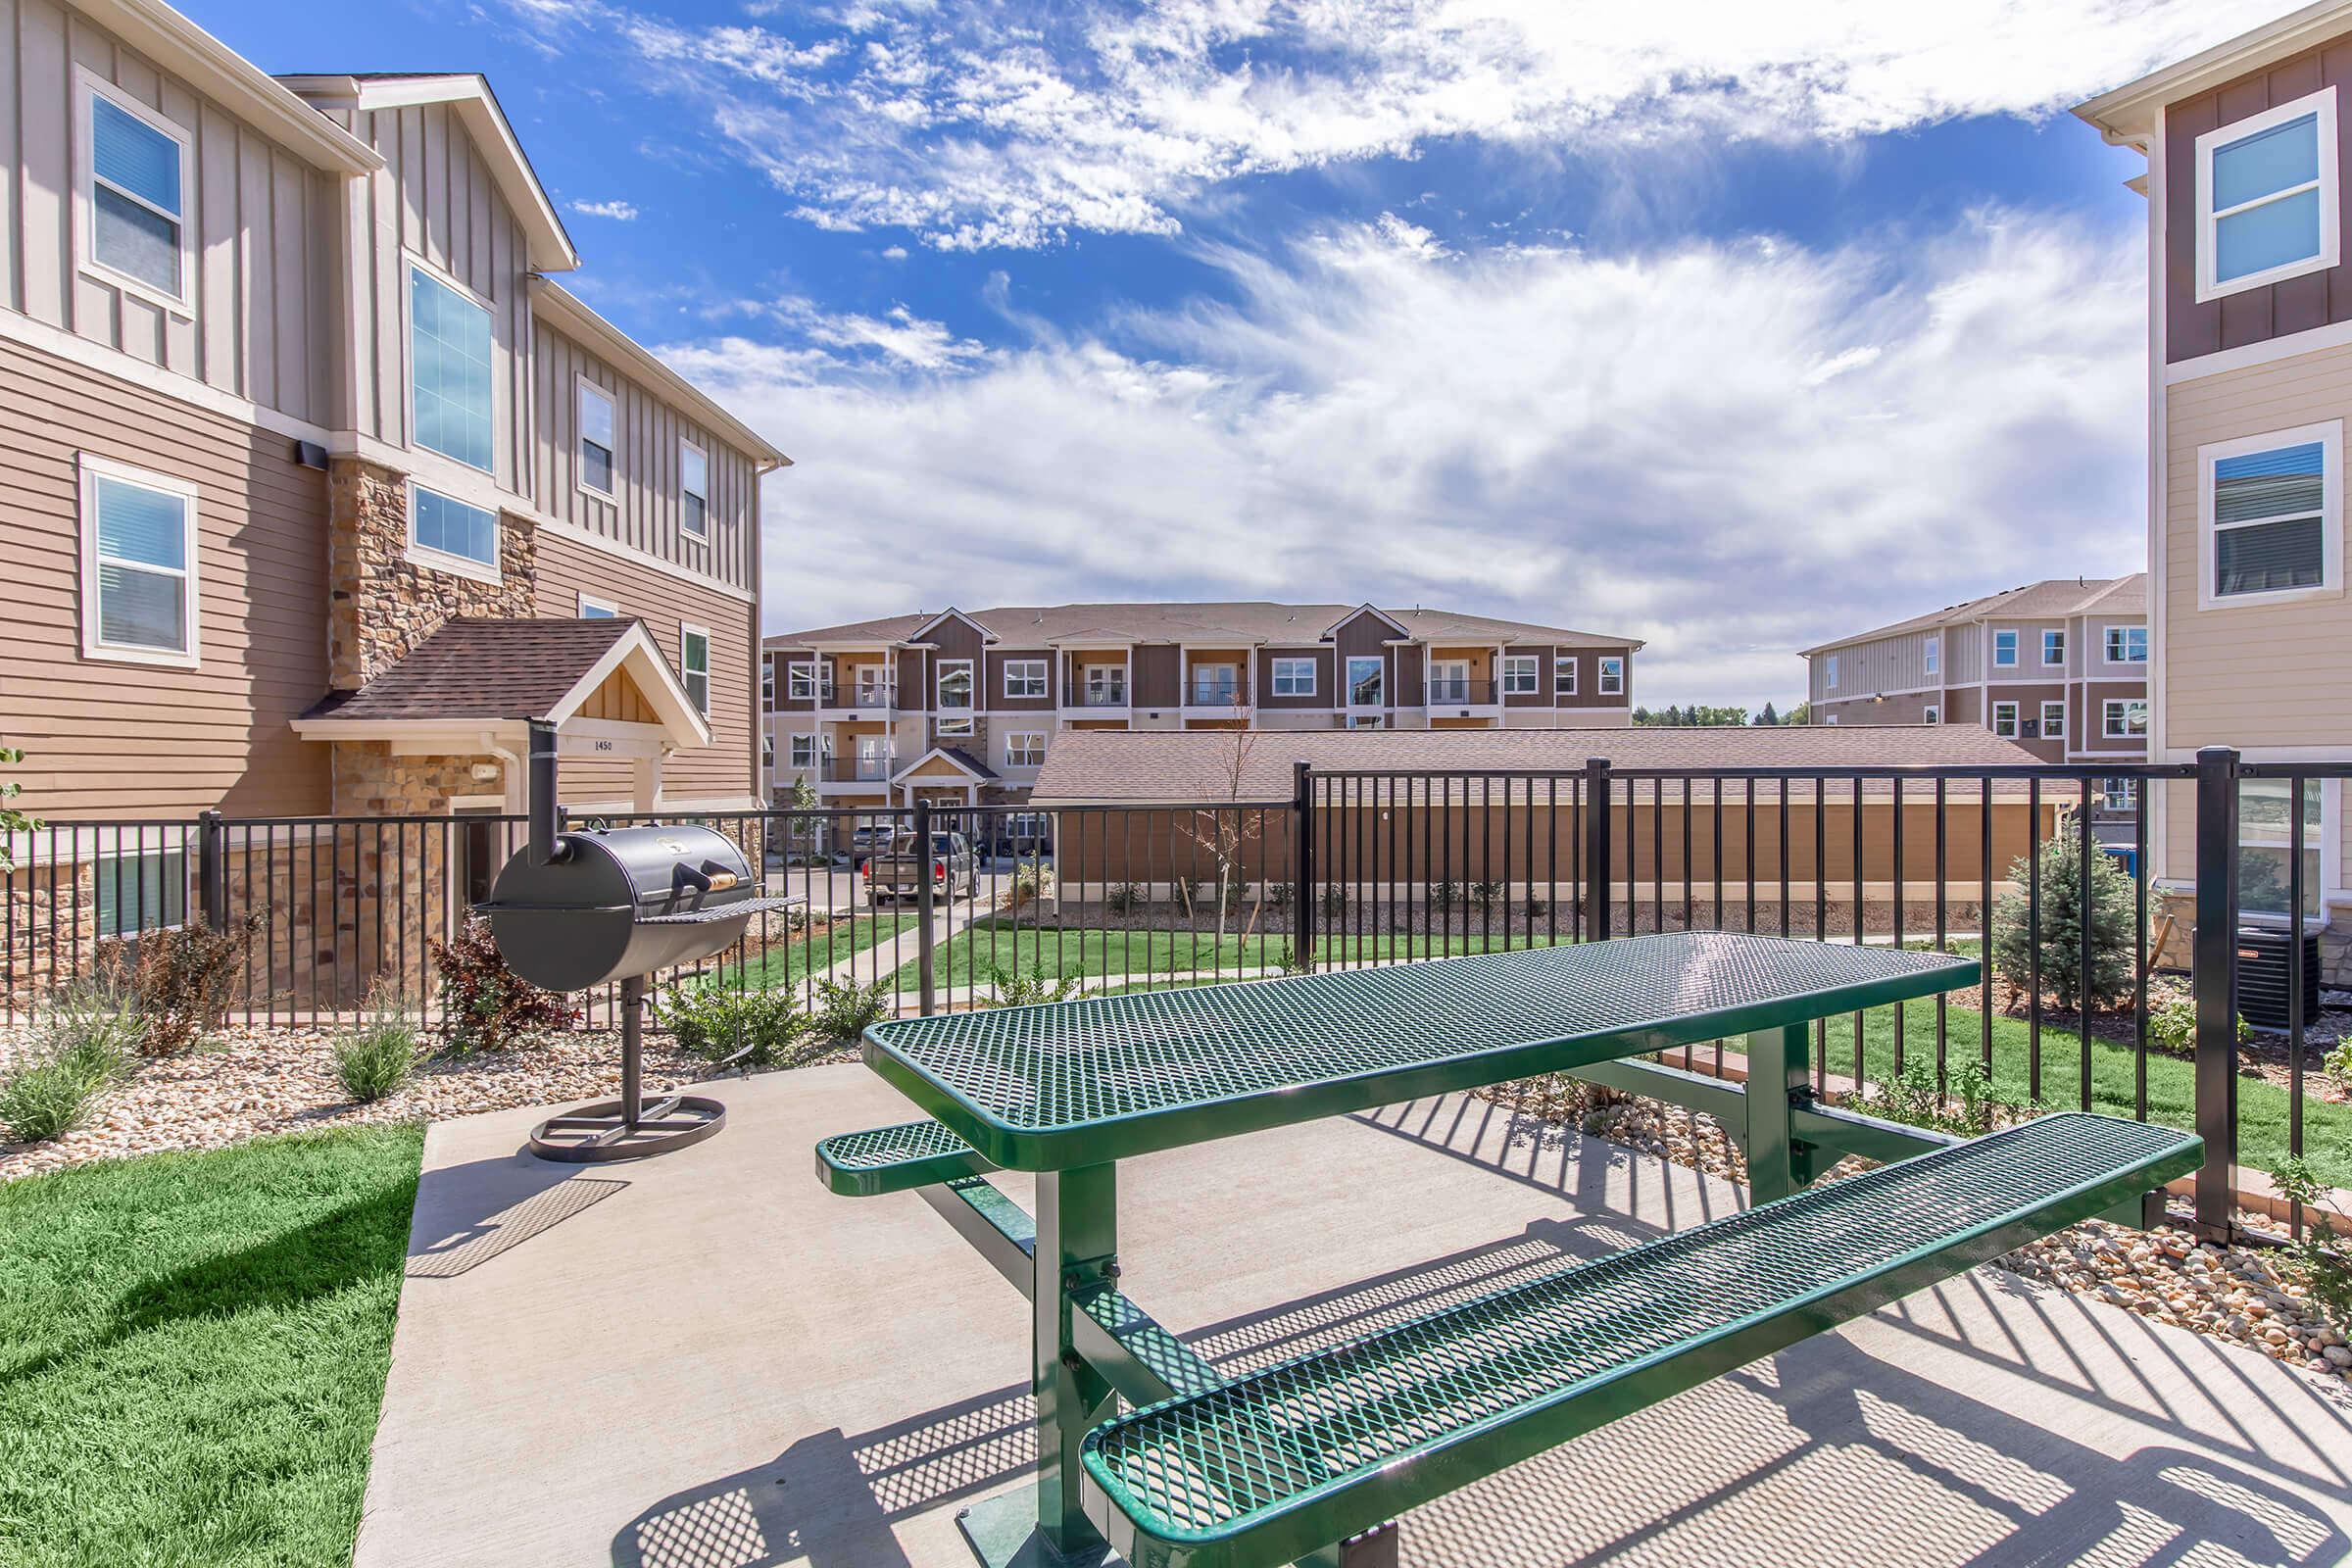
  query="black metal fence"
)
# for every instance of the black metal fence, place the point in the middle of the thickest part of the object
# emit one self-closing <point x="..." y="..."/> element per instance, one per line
<point x="2183" y="868"/>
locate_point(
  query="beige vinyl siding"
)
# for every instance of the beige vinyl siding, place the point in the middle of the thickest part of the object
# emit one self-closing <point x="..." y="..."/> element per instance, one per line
<point x="106" y="740"/>
<point x="2256" y="674"/>
<point x="257" y="322"/>
<point x="436" y="198"/>
<point x="647" y="506"/>
<point x="1887" y="664"/>
<point x="728" y="768"/>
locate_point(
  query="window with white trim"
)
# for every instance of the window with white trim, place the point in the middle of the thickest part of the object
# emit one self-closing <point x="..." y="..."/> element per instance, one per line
<point x="2125" y="718"/>
<point x="1106" y="685"/>
<point x="595" y="609"/>
<point x="1829" y="672"/>
<point x="2004" y="649"/>
<point x="800" y="680"/>
<point x="2126" y="645"/>
<point x="461" y="534"/>
<point x="768" y="754"/>
<point x="2267" y="196"/>
<point x="1025" y="747"/>
<point x="2053" y="646"/>
<point x="1294" y="677"/>
<point x="450" y="377"/>
<point x="694" y="490"/>
<point x="137" y="170"/>
<point x="139" y="890"/>
<point x="1367" y="681"/>
<point x="596" y="420"/>
<point x="2119" y="793"/>
<point x="1522" y="674"/>
<point x="2272" y="508"/>
<point x="138" y="564"/>
<point x="1215" y="686"/>
<point x="1933" y="652"/>
<point x="2266" y="847"/>
<point x="1024" y="677"/>
<point x="1612" y="676"/>
<point x="2054" y="721"/>
<point x="954" y="683"/>
<point x="803" y="752"/>
<point x="1448" y="680"/>
<point x="2004" y="720"/>
<point x="1563" y="675"/>
<point x="1933" y="715"/>
<point x="768" y="684"/>
<point x="694" y="665"/>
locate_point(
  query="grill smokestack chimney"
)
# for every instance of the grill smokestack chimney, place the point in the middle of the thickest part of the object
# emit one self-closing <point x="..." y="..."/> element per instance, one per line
<point x="546" y="848"/>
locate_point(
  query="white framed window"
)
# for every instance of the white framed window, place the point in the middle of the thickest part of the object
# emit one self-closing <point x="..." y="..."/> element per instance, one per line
<point x="1563" y="675"/>
<point x="2004" y="649"/>
<point x="803" y="753"/>
<point x="1829" y="672"/>
<point x="596" y="424"/>
<point x="595" y="609"/>
<point x="2053" y="644"/>
<point x="1024" y="677"/>
<point x="1933" y="715"/>
<point x="2272" y="517"/>
<point x="768" y="685"/>
<point x="1612" y="675"/>
<point x="2004" y="720"/>
<point x="1367" y="681"/>
<point x="2126" y="645"/>
<point x="1522" y="674"/>
<point x="2125" y="718"/>
<point x="954" y="690"/>
<point x="141" y="890"/>
<point x="1215" y="686"/>
<point x="2266" y="846"/>
<point x="694" y="490"/>
<point x="1106" y="685"/>
<point x="139" y="565"/>
<point x="2119" y="793"/>
<point x="694" y="665"/>
<point x="450" y="535"/>
<point x="452" y="404"/>
<point x="1294" y="677"/>
<point x="2267" y="196"/>
<point x="1025" y="747"/>
<point x="800" y="680"/>
<point x="1828" y="718"/>
<point x="1448" y="680"/>
<point x="2054" y="721"/>
<point x="137" y="174"/>
<point x="1934" y="654"/>
<point x="957" y="726"/>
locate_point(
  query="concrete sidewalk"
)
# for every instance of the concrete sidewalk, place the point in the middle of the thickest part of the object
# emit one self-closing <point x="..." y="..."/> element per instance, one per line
<point x="706" y="1360"/>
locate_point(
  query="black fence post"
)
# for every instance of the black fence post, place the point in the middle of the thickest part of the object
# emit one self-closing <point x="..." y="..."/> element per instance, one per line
<point x="1302" y="865"/>
<point x="1596" y="849"/>
<point x="2213" y="978"/>
<point x="926" y="943"/>
<point x="212" y="869"/>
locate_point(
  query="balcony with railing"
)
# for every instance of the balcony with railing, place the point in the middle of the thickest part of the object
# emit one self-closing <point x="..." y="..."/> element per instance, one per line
<point x="857" y="699"/>
<point x="1097" y="694"/>
<point x="1459" y="691"/>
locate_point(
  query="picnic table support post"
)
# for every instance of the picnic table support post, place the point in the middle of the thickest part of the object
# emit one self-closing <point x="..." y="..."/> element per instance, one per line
<point x="1077" y="1246"/>
<point x="1777" y="1083"/>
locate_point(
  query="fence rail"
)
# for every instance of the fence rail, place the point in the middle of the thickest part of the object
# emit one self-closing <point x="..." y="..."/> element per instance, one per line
<point x="2176" y="866"/>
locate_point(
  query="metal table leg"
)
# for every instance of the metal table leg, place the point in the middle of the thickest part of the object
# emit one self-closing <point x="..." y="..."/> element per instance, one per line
<point x="1777" y="1163"/>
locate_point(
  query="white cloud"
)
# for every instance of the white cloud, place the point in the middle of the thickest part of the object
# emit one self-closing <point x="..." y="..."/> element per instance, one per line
<point x="1645" y="444"/>
<point x="619" y="211"/>
<point x="973" y="131"/>
<point x="893" y="253"/>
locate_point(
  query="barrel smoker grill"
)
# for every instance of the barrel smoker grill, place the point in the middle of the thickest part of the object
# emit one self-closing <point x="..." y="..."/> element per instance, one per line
<point x="571" y="910"/>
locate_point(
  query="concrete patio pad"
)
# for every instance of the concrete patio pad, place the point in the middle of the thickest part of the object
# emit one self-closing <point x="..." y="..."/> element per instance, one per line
<point x="706" y="1361"/>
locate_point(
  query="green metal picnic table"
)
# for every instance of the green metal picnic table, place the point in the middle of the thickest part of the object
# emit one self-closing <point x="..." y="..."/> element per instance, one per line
<point x="1287" y="1464"/>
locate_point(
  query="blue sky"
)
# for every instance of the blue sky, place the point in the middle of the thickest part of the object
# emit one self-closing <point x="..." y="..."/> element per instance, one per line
<point x="1729" y="327"/>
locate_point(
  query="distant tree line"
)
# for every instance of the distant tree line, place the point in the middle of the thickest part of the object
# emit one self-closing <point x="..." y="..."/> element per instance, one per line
<point x="1699" y="716"/>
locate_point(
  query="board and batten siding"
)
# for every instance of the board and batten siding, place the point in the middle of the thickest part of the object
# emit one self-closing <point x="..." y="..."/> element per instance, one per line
<point x="1886" y="665"/>
<point x="259" y="318"/>
<point x="728" y="770"/>
<point x="2253" y="674"/>
<point x="136" y="740"/>
<point x="644" y="514"/>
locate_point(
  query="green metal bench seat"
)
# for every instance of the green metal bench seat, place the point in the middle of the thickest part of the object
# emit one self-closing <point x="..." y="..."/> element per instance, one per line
<point x="894" y="1159"/>
<point x="1276" y="1464"/>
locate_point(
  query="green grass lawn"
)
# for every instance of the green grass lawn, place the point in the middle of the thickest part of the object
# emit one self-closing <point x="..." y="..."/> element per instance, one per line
<point x="790" y="963"/>
<point x="193" y="1347"/>
<point x="998" y="941"/>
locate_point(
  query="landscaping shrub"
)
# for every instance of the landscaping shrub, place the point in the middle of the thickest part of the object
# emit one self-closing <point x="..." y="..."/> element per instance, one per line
<point x="1030" y="883"/>
<point x="1911" y="1098"/>
<point x="83" y="1038"/>
<point x="713" y="1020"/>
<point x="2337" y="1065"/>
<point x="1442" y="895"/>
<point x="99" y="1010"/>
<point x="844" y="1008"/>
<point x="185" y="977"/>
<point x="2173" y="1026"/>
<point x="1485" y="893"/>
<point x="2060" y="937"/>
<point x="1334" y="900"/>
<point x="376" y="1057"/>
<point x="1016" y="988"/>
<point x="1535" y="907"/>
<point x="1123" y="897"/>
<point x="2323" y="1255"/>
<point x="488" y="1005"/>
<point x="1278" y="892"/>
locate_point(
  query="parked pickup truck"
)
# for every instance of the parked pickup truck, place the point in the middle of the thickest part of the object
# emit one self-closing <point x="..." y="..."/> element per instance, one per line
<point x="896" y="872"/>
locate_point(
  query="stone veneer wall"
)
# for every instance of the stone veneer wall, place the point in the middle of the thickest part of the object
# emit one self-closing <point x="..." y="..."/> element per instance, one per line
<point x="381" y="604"/>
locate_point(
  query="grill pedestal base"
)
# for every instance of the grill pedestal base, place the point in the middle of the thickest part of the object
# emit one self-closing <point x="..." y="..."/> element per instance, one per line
<point x="628" y="1128"/>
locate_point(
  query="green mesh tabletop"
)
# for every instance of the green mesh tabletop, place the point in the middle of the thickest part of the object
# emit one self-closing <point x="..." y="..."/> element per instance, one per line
<point x="1077" y="1083"/>
<point x="1356" y="1433"/>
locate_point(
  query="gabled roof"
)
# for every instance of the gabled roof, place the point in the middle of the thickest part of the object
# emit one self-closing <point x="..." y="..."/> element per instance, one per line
<point x="1208" y="623"/>
<point x="2128" y="114"/>
<point x="483" y="670"/>
<point x="1392" y="624"/>
<point x="468" y="94"/>
<point x="949" y="613"/>
<point x="955" y="757"/>
<point x="2051" y="598"/>
<point x="551" y="301"/>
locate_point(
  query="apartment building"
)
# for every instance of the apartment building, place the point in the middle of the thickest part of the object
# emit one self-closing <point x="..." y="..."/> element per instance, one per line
<point x="962" y="706"/>
<point x="2249" y="387"/>
<point x="2060" y="666"/>
<point x="293" y="399"/>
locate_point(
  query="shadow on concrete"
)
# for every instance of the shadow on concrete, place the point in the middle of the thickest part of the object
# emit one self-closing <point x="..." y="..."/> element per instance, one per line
<point x="469" y="1213"/>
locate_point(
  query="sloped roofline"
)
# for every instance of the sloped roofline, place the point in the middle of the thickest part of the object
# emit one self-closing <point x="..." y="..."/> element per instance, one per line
<point x="951" y="612"/>
<point x="567" y="309"/>
<point x="2125" y="116"/>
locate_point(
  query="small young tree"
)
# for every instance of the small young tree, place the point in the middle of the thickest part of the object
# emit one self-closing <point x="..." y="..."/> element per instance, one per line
<point x="1224" y="832"/>
<point x="2060" y="937"/>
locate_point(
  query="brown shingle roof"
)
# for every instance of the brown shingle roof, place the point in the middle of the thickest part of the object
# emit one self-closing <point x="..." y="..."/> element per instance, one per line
<point x="1210" y="622"/>
<point x="2052" y="596"/>
<point x="1191" y="765"/>
<point x="483" y="668"/>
